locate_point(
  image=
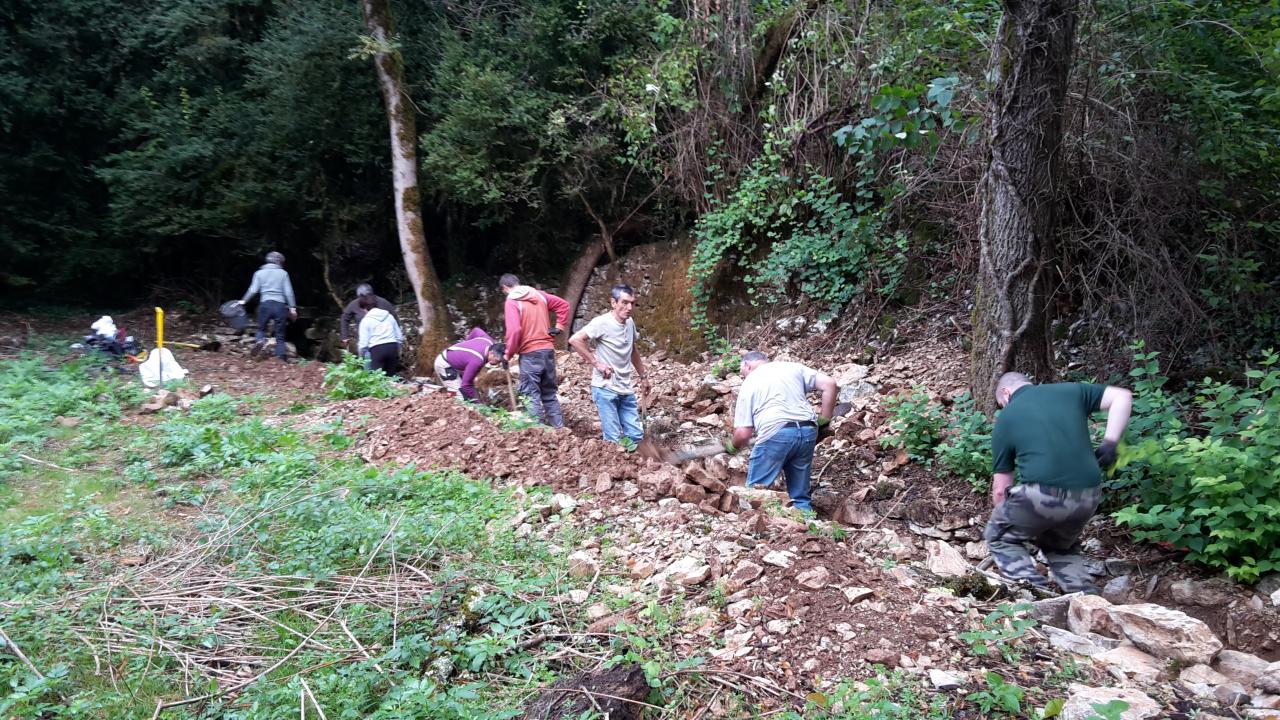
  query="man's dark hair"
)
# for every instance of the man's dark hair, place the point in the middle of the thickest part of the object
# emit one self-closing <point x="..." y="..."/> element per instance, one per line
<point x="508" y="281"/>
<point x="754" y="356"/>
<point x="621" y="288"/>
<point x="499" y="349"/>
<point x="368" y="302"/>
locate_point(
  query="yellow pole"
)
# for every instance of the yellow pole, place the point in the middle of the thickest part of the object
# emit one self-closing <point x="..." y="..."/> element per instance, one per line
<point x="160" y="343"/>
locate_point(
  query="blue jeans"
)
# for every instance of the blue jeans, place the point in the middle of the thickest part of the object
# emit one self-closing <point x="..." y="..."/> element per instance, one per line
<point x="790" y="452"/>
<point x="277" y="312"/>
<point x="619" y="414"/>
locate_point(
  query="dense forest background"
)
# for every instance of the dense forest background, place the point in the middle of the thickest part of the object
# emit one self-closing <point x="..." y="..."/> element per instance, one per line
<point x="823" y="151"/>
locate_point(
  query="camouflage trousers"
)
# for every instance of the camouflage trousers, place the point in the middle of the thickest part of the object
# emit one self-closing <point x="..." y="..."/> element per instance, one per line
<point x="1051" y="518"/>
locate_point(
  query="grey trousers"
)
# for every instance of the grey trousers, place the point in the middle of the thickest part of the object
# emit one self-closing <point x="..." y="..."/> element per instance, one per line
<point x="538" y="383"/>
<point x="1052" y="519"/>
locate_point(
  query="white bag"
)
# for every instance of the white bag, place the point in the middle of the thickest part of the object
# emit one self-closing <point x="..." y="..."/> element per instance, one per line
<point x="159" y="364"/>
<point x="105" y="327"/>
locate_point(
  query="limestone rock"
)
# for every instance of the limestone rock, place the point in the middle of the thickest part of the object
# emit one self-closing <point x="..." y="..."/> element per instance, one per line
<point x="1269" y="702"/>
<point x="944" y="560"/>
<point x="814" y="579"/>
<point x="690" y="493"/>
<point x="744" y="573"/>
<point x="688" y="571"/>
<point x="1269" y="680"/>
<point x="857" y="594"/>
<point x="1240" y="667"/>
<point x="582" y="565"/>
<point x="1202" y="674"/>
<point x="779" y="558"/>
<point x="1231" y="694"/>
<point x="976" y="550"/>
<point x="1167" y="633"/>
<point x="1052" y="611"/>
<point x="1091" y="613"/>
<point x="1129" y="661"/>
<point x="943" y="680"/>
<point x="1203" y="593"/>
<point x="563" y="504"/>
<point x="1088" y="645"/>
<point x="1082" y="698"/>
<point x="1118" y="590"/>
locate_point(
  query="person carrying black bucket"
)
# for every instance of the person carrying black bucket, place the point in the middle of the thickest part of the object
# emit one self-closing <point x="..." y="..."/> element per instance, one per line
<point x="276" y="303"/>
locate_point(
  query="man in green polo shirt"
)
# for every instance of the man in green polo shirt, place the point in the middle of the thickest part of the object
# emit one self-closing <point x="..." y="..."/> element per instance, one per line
<point x="1043" y="432"/>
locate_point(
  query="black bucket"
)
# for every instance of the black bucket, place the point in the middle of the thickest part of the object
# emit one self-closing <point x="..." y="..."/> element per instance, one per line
<point x="233" y="311"/>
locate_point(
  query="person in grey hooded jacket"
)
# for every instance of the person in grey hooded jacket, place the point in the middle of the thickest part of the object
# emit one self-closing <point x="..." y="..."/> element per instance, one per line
<point x="276" y="303"/>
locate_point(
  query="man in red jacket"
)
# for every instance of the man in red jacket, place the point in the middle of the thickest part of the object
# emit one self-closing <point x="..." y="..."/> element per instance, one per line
<point x="530" y="335"/>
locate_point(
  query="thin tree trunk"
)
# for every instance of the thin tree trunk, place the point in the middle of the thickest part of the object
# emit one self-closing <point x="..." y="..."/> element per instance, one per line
<point x="575" y="281"/>
<point x="1019" y="197"/>
<point x="401" y="121"/>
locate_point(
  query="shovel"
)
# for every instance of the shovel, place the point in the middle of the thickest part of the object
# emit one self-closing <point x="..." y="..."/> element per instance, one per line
<point x="211" y="345"/>
<point x="511" y="390"/>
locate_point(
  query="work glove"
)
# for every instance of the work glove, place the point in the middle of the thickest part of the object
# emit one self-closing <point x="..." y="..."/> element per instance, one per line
<point x="824" y="428"/>
<point x="554" y="332"/>
<point x="729" y="447"/>
<point x="1106" y="454"/>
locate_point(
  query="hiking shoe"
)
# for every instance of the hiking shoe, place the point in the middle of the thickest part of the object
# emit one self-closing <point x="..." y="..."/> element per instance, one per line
<point x="628" y="444"/>
<point x="256" y="349"/>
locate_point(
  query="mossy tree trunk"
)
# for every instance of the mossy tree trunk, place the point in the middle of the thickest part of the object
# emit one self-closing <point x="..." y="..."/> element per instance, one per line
<point x="434" y="328"/>
<point x="1031" y="61"/>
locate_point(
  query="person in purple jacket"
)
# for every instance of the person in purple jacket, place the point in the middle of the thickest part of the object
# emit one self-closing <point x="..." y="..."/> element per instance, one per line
<point x="458" y="365"/>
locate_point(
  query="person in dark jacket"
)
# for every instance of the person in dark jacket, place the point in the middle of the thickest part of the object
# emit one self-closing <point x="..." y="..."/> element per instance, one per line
<point x="276" y="303"/>
<point x="457" y="366"/>
<point x="353" y="313"/>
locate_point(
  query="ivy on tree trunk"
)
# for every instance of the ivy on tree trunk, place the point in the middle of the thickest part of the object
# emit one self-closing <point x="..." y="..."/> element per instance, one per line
<point x="1030" y="65"/>
<point x="434" y="327"/>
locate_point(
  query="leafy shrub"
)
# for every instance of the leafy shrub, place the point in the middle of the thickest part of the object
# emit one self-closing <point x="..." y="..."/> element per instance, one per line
<point x="917" y="424"/>
<point x="966" y="451"/>
<point x="895" y="696"/>
<point x="349" y="380"/>
<point x="1218" y="489"/>
<point x="794" y="230"/>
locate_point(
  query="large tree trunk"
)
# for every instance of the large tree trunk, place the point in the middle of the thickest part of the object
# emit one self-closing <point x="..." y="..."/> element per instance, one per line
<point x="575" y="281"/>
<point x="434" y="327"/>
<point x="1030" y="66"/>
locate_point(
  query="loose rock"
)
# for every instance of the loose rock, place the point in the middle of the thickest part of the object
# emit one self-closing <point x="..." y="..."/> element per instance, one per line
<point x="814" y="579"/>
<point x="1090" y="613"/>
<point x="1081" y="699"/>
<point x="1240" y="667"/>
<point x="1129" y="661"/>
<point x="943" y="680"/>
<point x="1167" y="633"/>
<point x="945" y="561"/>
<point x="1269" y="680"/>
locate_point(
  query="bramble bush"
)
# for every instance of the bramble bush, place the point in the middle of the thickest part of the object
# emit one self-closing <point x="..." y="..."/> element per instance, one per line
<point x="917" y="423"/>
<point x="966" y="450"/>
<point x="957" y="440"/>
<point x="349" y="380"/>
<point x="1204" y="470"/>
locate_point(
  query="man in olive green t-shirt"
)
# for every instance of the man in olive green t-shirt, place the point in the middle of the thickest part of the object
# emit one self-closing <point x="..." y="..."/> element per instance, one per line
<point x="1043" y="433"/>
